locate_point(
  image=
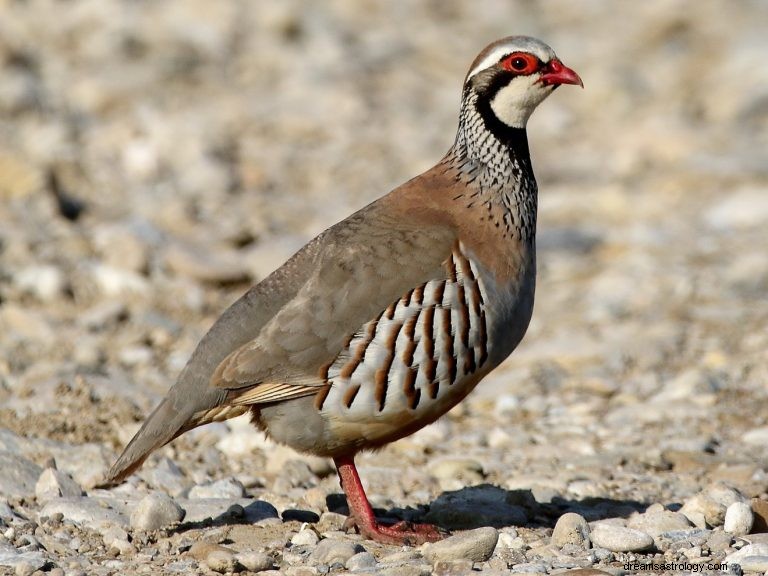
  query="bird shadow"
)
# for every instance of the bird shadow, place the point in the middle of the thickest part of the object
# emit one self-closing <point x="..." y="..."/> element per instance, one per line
<point x="464" y="509"/>
<point x="489" y="505"/>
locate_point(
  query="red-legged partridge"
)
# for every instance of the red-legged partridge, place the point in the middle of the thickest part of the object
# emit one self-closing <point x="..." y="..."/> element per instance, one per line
<point x="388" y="319"/>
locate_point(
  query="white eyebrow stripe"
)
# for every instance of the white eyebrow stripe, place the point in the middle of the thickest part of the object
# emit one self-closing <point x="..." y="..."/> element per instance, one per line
<point x="493" y="57"/>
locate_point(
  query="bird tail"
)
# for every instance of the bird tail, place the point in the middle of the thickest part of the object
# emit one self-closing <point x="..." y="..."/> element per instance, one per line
<point x="168" y="421"/>
<point x="162" y="426"/>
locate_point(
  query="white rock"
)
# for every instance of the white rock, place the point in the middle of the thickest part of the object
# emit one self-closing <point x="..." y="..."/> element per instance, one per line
<point x="657" y="522"/>
<point x="620" y="539"/>
<point x="56" y="484"/>
<point x="738" y="519"/>
<point x="476" y="545"/>
<point x="17" y="475"/>
<point x="742" y="209"/>
<point x="206" y="264"/>
<point x="224" y="488"/>
<point x="254" y="561"/>
<point x="221" y="561"/>
<point x="112" y="533"/>
<point x="361" y="561"/>
<point x="757" y="549"/>
<point x="756" y="436"/>
<point x="155" y="511"/>
<point x="572" y="529"/>
<point x="43" y="281"/>
<point x="331" y="551"/>
<point x="306" y="537"/>
<point x="754" y="564"/>
<point x="94" y="513"/>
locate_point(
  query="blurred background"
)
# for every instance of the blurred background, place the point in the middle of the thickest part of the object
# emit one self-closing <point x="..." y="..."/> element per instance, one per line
<point x="156" y="158"/>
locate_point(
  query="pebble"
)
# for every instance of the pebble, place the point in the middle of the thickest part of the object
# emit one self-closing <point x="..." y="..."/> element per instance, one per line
<point x="476" y="545"/>
<point x="739" y="209"/>
<point x="703" y="511"/>
<point x="224" y="488"/>
<point x="571" y="528"/>
<point x="306" y="537"/>
<point x="659" y="521"/>
<point x="155" y="511"/>
<point x="754" y="564"/>
<point x="206" y="264"/>
<point x="455" y="473"/>
<point x="361" y="561"/>
<point x="620" y="539"/>
<point x="254" y="561"/>
<point x="56" y="484"/>
<point x="452" y="567"/>
<point x="93" y="513"/>
<point x="759" y="549"/>
<point x="738" y="519"/>
<point x="167" y="477"/>
<point x="681" y="538"/>
<point x="330" y="551"/>
<point x="221" y="561"/>
<point x="18" y="475"/>
<point x="45" y="282"/>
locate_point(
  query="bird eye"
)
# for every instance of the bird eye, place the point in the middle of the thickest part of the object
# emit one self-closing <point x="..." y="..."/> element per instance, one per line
<point x="521" y="63"/>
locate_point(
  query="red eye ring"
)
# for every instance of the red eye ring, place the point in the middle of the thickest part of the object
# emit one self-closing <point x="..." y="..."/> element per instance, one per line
<point x="521" y="63"/>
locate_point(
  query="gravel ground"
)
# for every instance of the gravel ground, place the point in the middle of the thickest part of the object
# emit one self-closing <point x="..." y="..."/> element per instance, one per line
<point x="157" y="158"/>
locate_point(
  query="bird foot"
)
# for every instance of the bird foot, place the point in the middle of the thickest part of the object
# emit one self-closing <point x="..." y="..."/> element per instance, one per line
<point x="402" y="533"/>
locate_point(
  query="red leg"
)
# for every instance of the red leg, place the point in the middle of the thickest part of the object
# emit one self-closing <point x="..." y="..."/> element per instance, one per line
<point x="362" y="516"/>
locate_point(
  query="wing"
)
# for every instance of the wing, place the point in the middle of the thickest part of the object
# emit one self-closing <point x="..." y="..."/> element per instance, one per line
<point x="367" y="262"/>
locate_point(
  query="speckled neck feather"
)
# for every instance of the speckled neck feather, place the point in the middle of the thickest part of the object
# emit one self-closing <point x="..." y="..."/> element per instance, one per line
<point x="493" y="160"/>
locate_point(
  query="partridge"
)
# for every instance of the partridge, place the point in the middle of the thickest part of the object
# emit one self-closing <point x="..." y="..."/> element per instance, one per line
<point x="388" y="319"/>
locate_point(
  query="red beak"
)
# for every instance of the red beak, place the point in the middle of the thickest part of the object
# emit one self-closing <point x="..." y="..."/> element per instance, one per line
<point x="557" y="73"/>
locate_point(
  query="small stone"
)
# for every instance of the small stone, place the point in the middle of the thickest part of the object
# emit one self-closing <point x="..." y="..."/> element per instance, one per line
<point x="572" y="529"/>
<point x="620" y="539"/>
<point x="17" y="475"/>
<point x="254" y="561"/>
<point x="330" y="551"/>
<point x="167" y="477"/>
<point x="476" y="545"/>
<point x="213" y="265"/>
<point x="306" y="537"/>
<point x="330" y="521"/>
<point x="24" y="569"/>
<point x="54" y="483"/>
<point x="454" y="473"/>
<point x="702" y="511"/>
<point x="754" y="564"/>
<point x="200" y="550"/>
<point x="740" y="209"/>
<point x="675" y="539"/>
<point x="93" y="513"/>
<point x="224" y="488"/>
<point x="719" y="541"/>
<point x="112" y="533"/>
<point x="43" y="281"/>
<point x="656" y="522"/>
<point x="760" y="549"/>
<point x="221" y="561"/>
<point x="361" y="561"/>
<point x="155" y="511"/>
<point x="738" y="519"/>
<point x="452" y="567"/>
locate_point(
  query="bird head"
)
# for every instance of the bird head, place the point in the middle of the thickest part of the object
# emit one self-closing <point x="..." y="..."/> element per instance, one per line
<point x="514" y="75"/>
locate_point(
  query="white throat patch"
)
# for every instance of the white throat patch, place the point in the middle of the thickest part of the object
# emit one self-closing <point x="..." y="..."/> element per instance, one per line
<point x="514" y="103"/>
